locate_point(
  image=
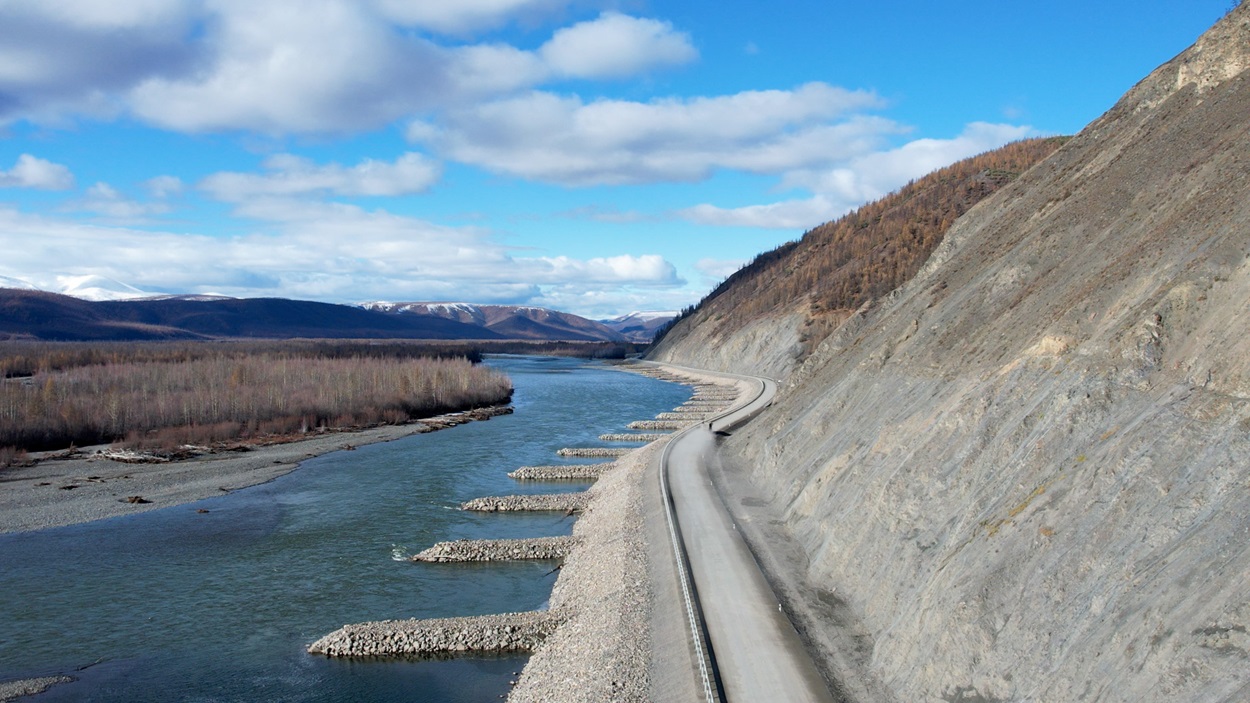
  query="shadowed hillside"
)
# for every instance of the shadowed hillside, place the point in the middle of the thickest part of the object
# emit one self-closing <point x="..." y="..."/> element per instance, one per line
<point x="1022" y="475"/>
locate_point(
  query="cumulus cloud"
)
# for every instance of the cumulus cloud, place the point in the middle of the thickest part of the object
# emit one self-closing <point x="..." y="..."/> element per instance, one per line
<point x="614" y="46"/>
<point x="289" y="176"/>
<point x="34" y="172"/>
<point x="465" y="16"/>
<point x="296" y="66"/>
<point x="718" y="269"/>
<point x="81" y="56"/>
<point x="858" y="180"/>
<point x="164" y="186"/>
<point x="293" y="66"/>
<point x="105" y="200"/>
<point x="563" y="139"/>
<point x="325" y="251"/>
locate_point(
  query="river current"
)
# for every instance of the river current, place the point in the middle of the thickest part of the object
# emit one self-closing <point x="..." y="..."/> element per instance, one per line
<point x="182" y="605"/>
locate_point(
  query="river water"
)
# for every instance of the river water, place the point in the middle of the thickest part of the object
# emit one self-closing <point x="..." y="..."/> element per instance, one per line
<point x="179" y="605"/>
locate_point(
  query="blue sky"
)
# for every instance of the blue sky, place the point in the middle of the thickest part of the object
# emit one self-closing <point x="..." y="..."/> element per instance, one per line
<point x="591" y="156"/>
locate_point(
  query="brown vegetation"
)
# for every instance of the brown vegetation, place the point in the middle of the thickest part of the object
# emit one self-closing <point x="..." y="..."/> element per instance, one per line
<point x="169" y="395"/>
<point x="840" y="265"/>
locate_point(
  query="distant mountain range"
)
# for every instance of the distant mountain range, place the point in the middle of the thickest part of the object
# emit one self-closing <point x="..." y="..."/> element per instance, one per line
<point x="640" y="327"/>
<point x="28" y="313"/>
<point x="509" y="321"/>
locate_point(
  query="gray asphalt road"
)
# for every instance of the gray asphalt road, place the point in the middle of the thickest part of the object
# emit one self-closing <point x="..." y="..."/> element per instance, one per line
<point x="756" y="649"/>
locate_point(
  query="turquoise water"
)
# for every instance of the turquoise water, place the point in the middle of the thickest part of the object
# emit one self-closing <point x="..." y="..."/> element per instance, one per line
<point x="175" y="604"/>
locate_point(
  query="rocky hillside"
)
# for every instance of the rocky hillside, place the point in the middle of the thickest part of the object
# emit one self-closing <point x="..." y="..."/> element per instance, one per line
<point x="804" y="289"/>
<point x="1025" y="474"/>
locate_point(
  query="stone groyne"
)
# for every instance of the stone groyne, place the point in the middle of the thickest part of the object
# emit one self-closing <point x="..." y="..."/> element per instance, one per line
<point x="556" y="502"/>
<point x="631" y="437"/>
<point x="682" y="417"/>
<point x="659" y="424"/>
<point x="463" y="550"/>
<point x="567" y="472"/>
<point x="594" y="452"/>
<point x="509" y="632"/>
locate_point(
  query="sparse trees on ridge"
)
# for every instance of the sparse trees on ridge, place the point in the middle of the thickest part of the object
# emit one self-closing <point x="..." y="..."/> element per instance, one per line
<point x="865" y="254"/>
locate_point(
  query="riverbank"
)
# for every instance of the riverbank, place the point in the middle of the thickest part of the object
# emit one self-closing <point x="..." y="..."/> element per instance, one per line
<point x="623" y="637"/>
<point x="87" y="486"/>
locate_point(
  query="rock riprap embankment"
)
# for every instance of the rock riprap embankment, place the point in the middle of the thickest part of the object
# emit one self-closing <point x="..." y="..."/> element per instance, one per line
<point x="498" y="549"/>
<point x="562" y="472"/>
<point x="509" y="632"/>
<point x="555" y="502"/>
<point x="594" y="452"/>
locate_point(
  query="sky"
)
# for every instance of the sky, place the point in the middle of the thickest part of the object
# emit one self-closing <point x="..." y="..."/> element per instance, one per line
<point x="593" y="156"/>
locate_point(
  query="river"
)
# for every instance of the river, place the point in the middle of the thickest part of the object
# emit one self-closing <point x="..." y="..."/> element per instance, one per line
<point x="179" y="604"/>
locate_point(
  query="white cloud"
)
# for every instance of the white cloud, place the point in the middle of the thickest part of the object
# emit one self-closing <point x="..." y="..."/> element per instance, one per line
<point x="105" y="200"/>
<point x="719" y="269"/>
<point x="296" y="66"/>
<point x="33" y="172"/>
<point x="290" y="176"/>
<point x="788" y="214"/>
<point x="81" y="56"/>
<point x="324" y="251"/>
<point x="564" y="140"/>
<point x="858" y="180"/>
<point x="164" y="186"/>
<point x="615" y="46"/>
<point x="464" y="16"/>
<point x="292" y="66"/>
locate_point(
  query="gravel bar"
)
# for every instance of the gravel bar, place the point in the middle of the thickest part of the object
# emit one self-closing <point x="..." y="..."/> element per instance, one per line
<point x="631" y="437"/>
<point x="498" y="549"/>
<point x="558" y="502"/>
<point x="566" y="472"/>
<point x="594" y="452"/>
<point x="509" y="632"/>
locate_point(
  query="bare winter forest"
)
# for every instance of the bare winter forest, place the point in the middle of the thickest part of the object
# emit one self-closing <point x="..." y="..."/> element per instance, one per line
<point x="165" y="395"/>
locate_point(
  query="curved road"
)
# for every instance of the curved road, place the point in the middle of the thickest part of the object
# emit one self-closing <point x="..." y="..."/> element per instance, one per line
<point x="754" y="647"/>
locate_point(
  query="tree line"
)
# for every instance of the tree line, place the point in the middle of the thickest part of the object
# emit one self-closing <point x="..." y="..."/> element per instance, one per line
<point x="165" y="396"/>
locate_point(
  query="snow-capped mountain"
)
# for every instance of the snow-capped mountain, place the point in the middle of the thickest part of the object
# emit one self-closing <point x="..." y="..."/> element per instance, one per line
<point x="511" y="321"/>
<point x="17" y="284"/>
<point x="640" y="326"/>
<point x="97" y="288"/>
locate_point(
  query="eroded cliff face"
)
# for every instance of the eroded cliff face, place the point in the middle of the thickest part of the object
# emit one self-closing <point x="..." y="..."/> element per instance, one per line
<point x="1027" y="472"/>
<point x="770" y="346"/>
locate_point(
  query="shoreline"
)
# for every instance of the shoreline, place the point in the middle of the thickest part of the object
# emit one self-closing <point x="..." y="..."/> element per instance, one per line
<point x="623" y="638"/>
<point x="58" y="492"/>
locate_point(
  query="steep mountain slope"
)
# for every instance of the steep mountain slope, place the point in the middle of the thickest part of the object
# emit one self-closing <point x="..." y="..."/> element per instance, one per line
<point x="1025" y="475"/>
<point x="775" y="309"/>
<point x="510" y="321"/>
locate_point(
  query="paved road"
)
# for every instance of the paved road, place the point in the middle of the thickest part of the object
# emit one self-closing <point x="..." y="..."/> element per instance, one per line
<point x="755" y="648"/>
